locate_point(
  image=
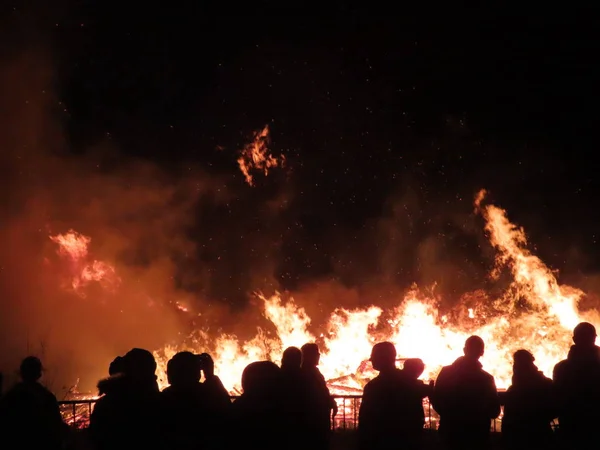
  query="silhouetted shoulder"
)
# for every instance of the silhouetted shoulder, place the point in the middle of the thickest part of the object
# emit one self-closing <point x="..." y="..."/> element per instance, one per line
<point x="444" y="374"/>
<point x="559" y="368"/>
<point x="370" y="387"/>
<point x="488" y="377"/>
<point x="445" y="370"/>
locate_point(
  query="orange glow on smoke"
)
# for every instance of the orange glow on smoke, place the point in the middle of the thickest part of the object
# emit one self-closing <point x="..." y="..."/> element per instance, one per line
<point x="74" y="246"/>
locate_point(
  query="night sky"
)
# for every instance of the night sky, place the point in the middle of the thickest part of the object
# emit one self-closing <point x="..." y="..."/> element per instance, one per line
<point x="382" y="116"/>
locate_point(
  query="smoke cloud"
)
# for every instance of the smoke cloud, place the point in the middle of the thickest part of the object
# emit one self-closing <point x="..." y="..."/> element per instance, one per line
<point x="139" y="219"/>
<point x="188" y="247"/>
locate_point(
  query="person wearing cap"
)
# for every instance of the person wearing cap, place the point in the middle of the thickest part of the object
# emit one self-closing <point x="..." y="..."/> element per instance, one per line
<point x="29" y="413"/>
<point x="528" y="407"/>
<point x="577" y="390"/>
<point x="466" y="398"/>
<point x="391" y="411"/>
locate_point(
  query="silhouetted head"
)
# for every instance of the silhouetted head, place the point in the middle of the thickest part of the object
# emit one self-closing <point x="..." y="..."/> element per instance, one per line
<point x="414" y="368"/>
<point x="523" y="366"/>
<point x="310" y="355"/>
<point x="383" y="356"/>
<point x="206" y="361"/>
<point x="116" y="366"/>
<point x="292" y="358"/>
<point x="31" y="369"/>
<point x="474" y="347"/>
<point x="584" y="335"/>
<point x="260" y="378"/>
<point x="183" y="369"/>
<point x="523" y="360"/>
<point x="139" y="363"/>
<point x="523" y="357"/>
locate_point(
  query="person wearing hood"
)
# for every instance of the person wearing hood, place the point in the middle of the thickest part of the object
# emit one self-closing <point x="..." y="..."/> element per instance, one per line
<point x="529" y="406"/>
<point x="577" y="390"/>
<point x="129" y="414"/>
<point x="466" y="398"/>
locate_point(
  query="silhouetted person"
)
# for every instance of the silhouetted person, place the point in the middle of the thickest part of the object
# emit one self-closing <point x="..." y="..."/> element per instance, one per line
<point x="130" y="414"/>
<point x="257" y="413"/>
<point x="320" y="404"/>
<point x="115" y="369"/>
<point x="391" y="412"/>
<point x="577" y="388"/>
<point x="413" y="368"/>
<point x="116" y="366"/>
<point x="29" y="413"/>
<point x="294" y="390"/>
<point x="218" y="399"/>
<point x="185" y="402"/>
<point x="466" y="399"/>
<point x="528" y="407"/>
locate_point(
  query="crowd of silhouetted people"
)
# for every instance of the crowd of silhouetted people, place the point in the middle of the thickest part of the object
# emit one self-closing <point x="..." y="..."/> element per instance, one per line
<point x="290" y="406"/>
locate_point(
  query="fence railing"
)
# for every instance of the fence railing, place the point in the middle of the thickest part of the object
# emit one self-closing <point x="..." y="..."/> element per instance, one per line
<point x="76" y="413"/>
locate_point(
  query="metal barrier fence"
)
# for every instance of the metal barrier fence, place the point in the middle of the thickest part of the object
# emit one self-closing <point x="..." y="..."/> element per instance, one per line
<point x="76" y="413"/>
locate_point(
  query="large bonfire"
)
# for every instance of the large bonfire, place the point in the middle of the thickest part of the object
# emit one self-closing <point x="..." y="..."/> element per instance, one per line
<point x="535" y="312"/>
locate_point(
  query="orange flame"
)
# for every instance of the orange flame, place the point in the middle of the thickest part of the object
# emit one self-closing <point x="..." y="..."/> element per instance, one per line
<point x="72" y="244"/>
<point x="255" y="156"/>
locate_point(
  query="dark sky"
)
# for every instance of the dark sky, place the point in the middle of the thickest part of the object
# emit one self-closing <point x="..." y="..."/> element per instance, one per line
<point x="366" y="104"/>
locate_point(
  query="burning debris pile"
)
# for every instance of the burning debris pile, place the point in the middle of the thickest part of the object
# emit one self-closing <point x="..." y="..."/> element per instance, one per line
<point x="535" y="312"/>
